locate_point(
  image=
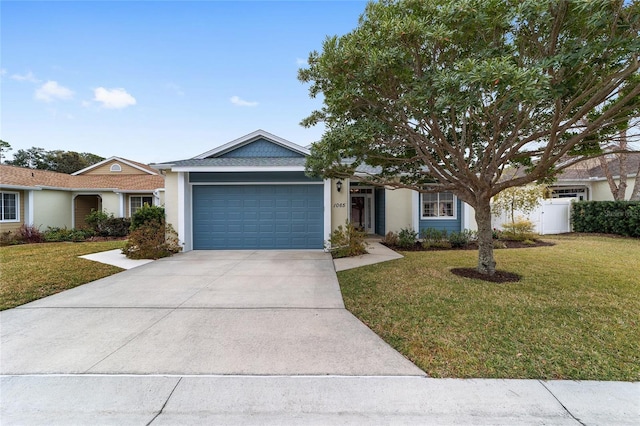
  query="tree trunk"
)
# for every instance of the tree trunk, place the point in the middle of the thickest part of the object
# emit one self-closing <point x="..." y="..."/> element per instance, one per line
<point x="635" y="194"/>
<point x="618" y="191"/>
<point x="486" y="262"/>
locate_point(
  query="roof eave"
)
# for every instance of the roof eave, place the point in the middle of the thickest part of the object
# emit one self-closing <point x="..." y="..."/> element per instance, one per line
<point x="238" y="169"/>
<point x="20" y="187"/>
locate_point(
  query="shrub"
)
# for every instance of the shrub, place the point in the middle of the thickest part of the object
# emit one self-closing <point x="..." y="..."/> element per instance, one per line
<point x="107" y="225"/>
<point x="461" y="239"/>
<point x="442" y="244"/>
<point x="497" y="244"/>
<point x="152" y="240"/>
<point x="56" y="235"/>
<point x="390" y="239"/>
<point x="609" y="217"/>
<point x="147" y="214"/>
<point x="432" y="237"/>
<point x="6" y="238"/>
<point x="29" y="234"/>
<point x="520" y="230"/>
<point x="407" y="238"/>
<point x="496" y="234"/>
<point x="347" y="241"/>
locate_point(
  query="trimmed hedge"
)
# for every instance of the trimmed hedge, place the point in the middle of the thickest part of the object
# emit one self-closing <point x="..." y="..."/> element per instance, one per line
<point x="609" y="217"/>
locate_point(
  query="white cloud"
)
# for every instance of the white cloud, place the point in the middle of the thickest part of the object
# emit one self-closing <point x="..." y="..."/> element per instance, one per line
<point x="113" y="98"/>
<point x="236" y="100"/>
<point x="25" y="77"/>
<point x="300" y="61"/>
<point x="51" y="91"/>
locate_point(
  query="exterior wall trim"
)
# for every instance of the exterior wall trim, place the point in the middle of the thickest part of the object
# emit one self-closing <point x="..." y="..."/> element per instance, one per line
<point x="327" y="209"/>
<point x="415" y="209"/>
<point x="255" y="183"/>
<point x="239" y="169"/>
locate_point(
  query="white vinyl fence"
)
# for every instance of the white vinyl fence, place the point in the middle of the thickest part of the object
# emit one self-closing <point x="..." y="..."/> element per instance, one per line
<point x="553" y="216"/>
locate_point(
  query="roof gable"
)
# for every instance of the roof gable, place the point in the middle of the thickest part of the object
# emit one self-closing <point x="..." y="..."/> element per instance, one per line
<point x="104" y="167"/>
<point x="259" y="144"/>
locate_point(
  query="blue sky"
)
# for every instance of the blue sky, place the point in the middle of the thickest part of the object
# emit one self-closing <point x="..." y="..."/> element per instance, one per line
<point x="156" y="81"/>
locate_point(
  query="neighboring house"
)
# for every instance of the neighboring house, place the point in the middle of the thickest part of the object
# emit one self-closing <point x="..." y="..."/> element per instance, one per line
<point x="42" y="198"/>
<point x="584" y="181"/>
<point x="587" y="180"/>
<point x="252" y="193"/>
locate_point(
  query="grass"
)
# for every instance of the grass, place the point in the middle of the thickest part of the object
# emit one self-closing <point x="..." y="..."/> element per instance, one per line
<point x="32" y="271"/>
<point x="574" y="315"/>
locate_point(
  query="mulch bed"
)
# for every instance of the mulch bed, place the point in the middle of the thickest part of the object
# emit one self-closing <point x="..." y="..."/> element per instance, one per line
<point x="498" y="277"/>
<point x="472" y="246"/>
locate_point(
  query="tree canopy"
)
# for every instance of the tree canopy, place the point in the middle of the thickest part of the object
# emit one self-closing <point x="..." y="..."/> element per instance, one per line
<point x="459" y="93"/>
<point x="57" y="160"/>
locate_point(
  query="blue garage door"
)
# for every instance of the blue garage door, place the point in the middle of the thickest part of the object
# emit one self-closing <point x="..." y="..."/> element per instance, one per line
<point x="258" y="217"/>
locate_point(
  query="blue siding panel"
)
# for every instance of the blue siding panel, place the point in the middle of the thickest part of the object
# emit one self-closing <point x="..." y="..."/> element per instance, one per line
<point x="380" y="211"/>
<point x="261" y="148"/>
<point x="450" y="225"/>
<point x="258" y="217"/>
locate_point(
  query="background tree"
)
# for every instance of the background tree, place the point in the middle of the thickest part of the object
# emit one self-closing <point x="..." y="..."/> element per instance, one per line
<point x="616" y="139"/>
<point x="56" y="161"/>
<point x="518" y="198"/>
<point x="452" y="93"/>
<point x="4" y="148"/>
<point x="32" y="158"/>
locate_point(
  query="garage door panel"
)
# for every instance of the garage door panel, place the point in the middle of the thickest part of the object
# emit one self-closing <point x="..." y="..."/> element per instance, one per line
<point x="258" y="216"/>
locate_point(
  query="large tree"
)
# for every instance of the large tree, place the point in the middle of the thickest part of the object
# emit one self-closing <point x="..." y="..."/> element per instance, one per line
<point x="447" y="95"/>
<point x="4" y="148"/>
<point x="56" y="161"/>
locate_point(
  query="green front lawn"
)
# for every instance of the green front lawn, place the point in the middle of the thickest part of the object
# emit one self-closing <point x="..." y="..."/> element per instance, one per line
<point x="32" y="271"/>
<point x="574" y="315"/>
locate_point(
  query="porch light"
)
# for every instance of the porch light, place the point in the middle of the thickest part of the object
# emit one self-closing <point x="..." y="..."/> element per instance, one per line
<point x="339" y="185"/>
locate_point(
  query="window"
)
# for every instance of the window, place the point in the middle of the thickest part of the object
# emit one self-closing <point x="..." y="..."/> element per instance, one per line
<point x="9" y="207"/>
<point x="115" y="168"/>
<point x="138" y="202"/>
<point x="441" y="205"/>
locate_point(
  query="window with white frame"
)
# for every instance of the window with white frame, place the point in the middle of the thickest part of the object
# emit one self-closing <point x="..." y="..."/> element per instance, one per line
<point x="9" y="202"/>
<point x="115" y="168"/>
<point x="439" y="205"/>
<point x="136" y="202"/>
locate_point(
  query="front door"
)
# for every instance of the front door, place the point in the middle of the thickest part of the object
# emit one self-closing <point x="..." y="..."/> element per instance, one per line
<point x="362" y="209"/>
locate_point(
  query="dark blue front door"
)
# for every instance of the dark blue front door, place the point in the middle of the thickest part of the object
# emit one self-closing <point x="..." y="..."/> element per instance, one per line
<point x="258" y="216"/>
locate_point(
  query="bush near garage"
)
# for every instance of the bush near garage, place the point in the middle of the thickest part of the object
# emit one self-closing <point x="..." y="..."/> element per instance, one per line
<point x="151" y="237"/>
<point x="608" y="217"/>
<point x="347" y="241"/>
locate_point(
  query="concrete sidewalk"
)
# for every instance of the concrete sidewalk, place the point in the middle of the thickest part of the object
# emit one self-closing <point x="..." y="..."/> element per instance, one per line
<point x="376" y="253"/>
<point x="314" y="400"/>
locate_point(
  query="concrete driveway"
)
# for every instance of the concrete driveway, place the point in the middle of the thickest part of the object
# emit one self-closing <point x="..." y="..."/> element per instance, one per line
<point x="246" y="337"/>
<point x="201" y="312"/>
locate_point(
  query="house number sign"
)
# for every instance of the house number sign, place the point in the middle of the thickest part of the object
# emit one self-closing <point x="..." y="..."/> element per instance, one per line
<point x="339" y="205"/>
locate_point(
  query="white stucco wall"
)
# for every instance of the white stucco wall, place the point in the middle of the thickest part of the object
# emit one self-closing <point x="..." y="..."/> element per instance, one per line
<point x="170" y="198"/>
<point x="52" y="208"/>
<point x="469" y="217"/>
<point x="398" y="209"/>
<point x="111" y="203"/>
<point x="600" y="190"/>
